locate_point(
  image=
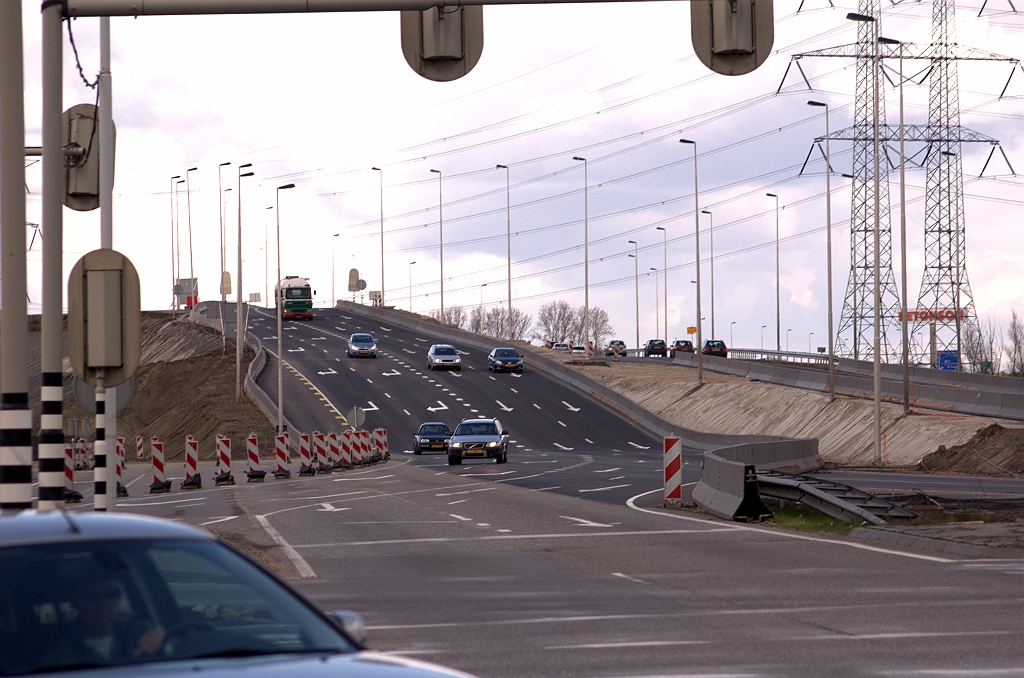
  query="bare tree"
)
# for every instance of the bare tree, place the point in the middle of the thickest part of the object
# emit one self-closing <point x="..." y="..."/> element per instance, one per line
<point x="495" y="321"/>
<point x="476" y="320"/>
<point x="454" y="316"/>
<point x="600" y="326"/>
<point x="980" y="344"/>
<point x="521" y="322"/>
<point x="555" y="321"/>
<point x="1015" y="349"/>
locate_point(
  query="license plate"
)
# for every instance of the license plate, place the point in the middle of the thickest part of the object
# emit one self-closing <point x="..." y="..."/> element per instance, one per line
<point x="363" y="350"/>
<point x="437" y="447"/>
<point x="474" y="452"/>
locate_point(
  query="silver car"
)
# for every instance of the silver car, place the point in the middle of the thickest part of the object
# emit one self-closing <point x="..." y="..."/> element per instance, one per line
<point x="361" y="344"/>
<point x="443" y="356"/>
<point x="102" y="595"/>
<point x="478" y="439"/>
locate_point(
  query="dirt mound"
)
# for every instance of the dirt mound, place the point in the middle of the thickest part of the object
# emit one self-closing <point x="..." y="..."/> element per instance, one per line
<point x="186" y="385"/>
<point x="993" y="449"/>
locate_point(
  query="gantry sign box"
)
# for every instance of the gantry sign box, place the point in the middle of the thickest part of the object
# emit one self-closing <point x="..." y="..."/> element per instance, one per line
<point x="104" y="318"/>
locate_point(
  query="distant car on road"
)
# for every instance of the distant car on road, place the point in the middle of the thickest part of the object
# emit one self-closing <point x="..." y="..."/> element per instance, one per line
<point x="680" y="346"/>
<point x="507" y="359"/>
<point x="478" y="439"/>
<point x="715" y="347"/>
<point x="433" y="435"/>
<point x="579" y="349"/>
<point x="89" y="594"/>
<point x="443" y="356"/>
<point x="654" y="347"/>
<point x="559" y="346"/>
<point x="613" y="345"/>
<point x="360" y="344"/>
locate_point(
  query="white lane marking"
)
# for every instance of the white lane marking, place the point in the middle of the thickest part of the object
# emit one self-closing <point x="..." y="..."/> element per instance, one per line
<point x="616" y="478"/>
<point x="571" y="408"/>
<point x="517" y="376"/>
<point x="438" y="409"/>
<point x="161" y="503"/>
<point x="583" y="522"/>
<point x="305" y="571"/>
<point x="352" y="369"/>
<point x="502" y="537"/>
<point x="536" y="405"/>
<point x="330" y="370"/>
<point x="422" y="339"/>
<point x="626" y="576"/>
<point x="631" y="503"/>
<point x="602" y="489"/>
<point x="329" y="508"/>
<point x="467" y="475"/>
<point x="561" y="424"/>
<point x="386" y="329"/>
<point x="589" y="440"/>
<point x="217" y="520"/>
<point x="273" y="337"/>
<point x="639" y="447"/>
<point x="513" y="390"/>
<point x="609" y="470"/>
<point x="462" y="518"/>
<point x="392" y="373"/>
<point x="462" y="352"/>
<point x="563" y="447"/>
<point x="339" y="480"/>
<point x="483" y="524"/>
<point x="409" y="352"/>
<point x="297" y="350"/>
<point x="372" y="407"/>
<point x="317" y="338"/>
<point x="504" y="530"/>
<point x="407" y="412"/>
<point x="654" y="643"/>
<point x="457" y="501"/>
<point x="452" y="494"/>
<point x="473" y="411"/>
<point x="370" y="380"/>
<point x="387" y="395"/>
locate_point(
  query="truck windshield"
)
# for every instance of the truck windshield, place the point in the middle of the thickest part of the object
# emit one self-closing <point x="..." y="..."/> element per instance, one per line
<point x="298" y="293"/>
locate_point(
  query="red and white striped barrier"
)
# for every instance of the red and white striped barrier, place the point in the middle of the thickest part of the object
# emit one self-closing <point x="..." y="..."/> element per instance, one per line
<point x="324" y="464"/>
<point x="140" y="449"/>
<point x="380" y="440"/>
<point x="252" y="449"/>
<point x="119" y="448"/>
<point x="304" y="457"/>
<point x="191" y="457"/>
<point x="160" y="484"/>
<point x="346" y="448"/>
<point x="365" y="445"/>
<point x="282" y="452"/>
<point x="672" y="464"/>
<point x="69" y="468"/>
<point x="81" y="455"/>
<point x="332" y="444"/>
<point x="224" y="454"/>
<point x="118" y="467"/>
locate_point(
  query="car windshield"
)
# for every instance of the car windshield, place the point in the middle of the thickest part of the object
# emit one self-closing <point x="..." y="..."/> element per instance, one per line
<point x="362" y="339"/>
<point x="297" y="293"/>
<point x="657" y="342"/>
<point x="505" y="353"/>
<point x="476" y="428"/>
<point x="434" y="429"/>
<point x="91" y="604"/>
<point x="444" y="350"/>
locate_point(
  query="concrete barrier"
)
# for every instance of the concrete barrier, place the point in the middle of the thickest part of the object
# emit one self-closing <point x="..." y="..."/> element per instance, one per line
<point x="728" y="488"/>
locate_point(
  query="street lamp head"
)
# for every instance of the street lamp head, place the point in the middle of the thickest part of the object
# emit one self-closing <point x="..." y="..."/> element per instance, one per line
<point x="705" y="211"/>
<point x="176" y="176"/>
<point x="286" y="186"/>
<point x="191" y="169"/>
<point x="436" y="171"/>
<point x="951" y="154"/>
<point x="631" y="256"/>
<point x="687" y="141"/>
<point x="772" y="195"/>
<point x="658" y="228"/>
<point x="501" y="167"/>
<point x="247" y="174"/>
<point x="181" y="181"/>
<point x="848" y="176"/>
<point x="376" y="169"/>
<point x="632" y="241"/>
<point x="335" y="235"/>
<point x="576" y="157"/>
<point x="888" y="41"/>
<point x="224" y="164"/>
<point x="653" y="269"/>
<point x="411" y="263"/>
<point x="817" y="103"/>
<point x="853" y="16"/>
<point x="242" y="167"/>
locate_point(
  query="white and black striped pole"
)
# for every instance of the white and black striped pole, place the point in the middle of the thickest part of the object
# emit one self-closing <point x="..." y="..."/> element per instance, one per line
<point x="15" y="416"/>
<point x="101" y="470"/>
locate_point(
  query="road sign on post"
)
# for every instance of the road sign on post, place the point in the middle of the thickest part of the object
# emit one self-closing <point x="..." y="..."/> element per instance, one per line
<point x="104" y="317"/>
<point x="355" y="417"/>
<point x="732" y="37"/>
<point x="443" y="43"/>
<point x="353" y="280"/>
<point x="81" y="131"/>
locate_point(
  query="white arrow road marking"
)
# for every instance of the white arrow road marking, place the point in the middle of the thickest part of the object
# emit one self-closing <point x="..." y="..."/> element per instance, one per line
<point x="372" y="407"/>
<point x="330" y="371"/>
<point x="218" y="520"/>
<point x="516" y="375"/>
<point x="462" y="518"/>
<point x="626" y="576"/>
<point x="296" y="350"/>
<point x="571" y="408"/>
<point x="422" y="339"/>
<point x="462" y="352"/>
<point x="563" y="447"/>
<point x="438" y="409"/>
<point x="386" y="329"/>
<point x="602" y="489"/>
<point x="273" y="337"/>
<point x="347" y="317"/>
<point x="392" y="373"/>
<point x="640" y="447"/>
<point x="409" y="352"/>
<point x="583" y="522"/>
<point x="609" y="470"/>
<point x="329" y="508"/>
<point x="503" y="406"/>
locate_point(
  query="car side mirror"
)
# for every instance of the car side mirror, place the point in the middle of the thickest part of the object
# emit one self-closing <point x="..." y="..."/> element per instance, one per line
<point x="351" y="623"/>
<point x="504" y="433"/>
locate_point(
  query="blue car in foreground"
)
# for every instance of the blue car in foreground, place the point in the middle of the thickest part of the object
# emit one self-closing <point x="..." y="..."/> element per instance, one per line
<point x="120" y="595"/>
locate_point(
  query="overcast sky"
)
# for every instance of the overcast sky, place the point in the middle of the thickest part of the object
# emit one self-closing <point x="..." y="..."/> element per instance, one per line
<point x="320" y="99"/>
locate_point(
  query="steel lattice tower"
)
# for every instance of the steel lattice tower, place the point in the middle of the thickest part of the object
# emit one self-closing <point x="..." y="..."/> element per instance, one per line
<point x="855" y="336"/>
<point x="944" y="285"/>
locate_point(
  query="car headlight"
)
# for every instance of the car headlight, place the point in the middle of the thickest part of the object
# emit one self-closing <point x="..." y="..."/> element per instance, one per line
<point x="437" y="360"/>
<point x="373" y="347"/>
<point x="458" y="359"/>
<point x="492" y="444"/>
<point x="456" y="444"/>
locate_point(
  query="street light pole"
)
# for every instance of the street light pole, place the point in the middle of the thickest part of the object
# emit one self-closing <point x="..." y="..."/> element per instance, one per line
<point x="440" y="224"/>
<point x="696" y="219"/>
<point x="188" y="209"/>
<point x="828" y="255"/>
<point x="711" y="233"/>
<point x="730" y="332"/>
<point x="410" y="285"/>
<point x="332" y="268"/>
<point x="239" y="330"/>
<point x="787" y="338"/>
<point x="664" y="276"/>
<point x="762" y="336"/>
<point x="381" y="173"/>
<point x="279" y="303"/>
<point x="177" y="233"/>
<point x="778" y="295"/>
<point x="586" y="252"/>
<point x="174" y="223"/>
<point x="223" y="240"/>
<point x="636" y="286"/>
<point x="508" y="244"/>
<point x="657" y="332"/>
<point x="809" y="342"/>
<point x="266" y="259"/>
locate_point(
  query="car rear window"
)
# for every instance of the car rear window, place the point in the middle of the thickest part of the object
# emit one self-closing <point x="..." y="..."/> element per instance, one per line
<point x="434" y="429"/>
<point x="476" y="428"/>
<point x="657" y="343"/>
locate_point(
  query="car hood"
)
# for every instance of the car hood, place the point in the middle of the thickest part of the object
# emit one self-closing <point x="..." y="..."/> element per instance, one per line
<point x="356" y="665"/>
<point x="361" y="344"/>
<point x="466" y="440"/>
<point x="434" y="436"/>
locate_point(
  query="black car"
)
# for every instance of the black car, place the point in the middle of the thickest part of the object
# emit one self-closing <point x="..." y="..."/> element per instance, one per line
<point x="654" y="347"/>
<point x="715" y="347"/>
<point x="680" y="346"/>
<point x="507" y="359"/>
<point x="433" y="435"/>
<point x="478" y="439"/>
